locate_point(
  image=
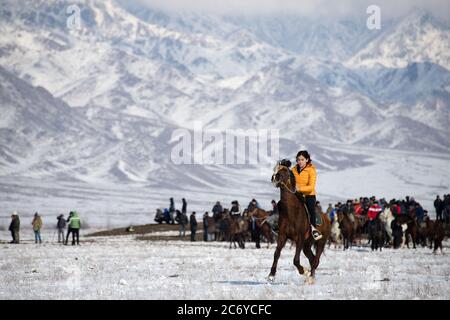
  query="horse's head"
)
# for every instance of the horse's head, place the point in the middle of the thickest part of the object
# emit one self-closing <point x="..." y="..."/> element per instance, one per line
<point x="281" y="174"/>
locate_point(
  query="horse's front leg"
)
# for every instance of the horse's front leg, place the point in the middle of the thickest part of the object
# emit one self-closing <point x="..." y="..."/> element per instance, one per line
<point x="280" y="244"/>
<point x="300" y="268"/>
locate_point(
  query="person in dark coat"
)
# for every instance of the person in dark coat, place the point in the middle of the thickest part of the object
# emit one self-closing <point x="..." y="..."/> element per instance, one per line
<point x="205" y="226"/>
<point x="253" y="205"/>
<point x="274" y="207"/>
<point x="419" y="212"/>
<point x="14" y="227"/>
<point x="193" y="223"/>
<point x="184" y="206"/>
<point x="217" y="210"/>
<point x="69" y="230"/>
<point x="61" y="226"/>
<point x="172" y="211"/>
<point x="438" y="207"/>
<point x="235" y="209"/>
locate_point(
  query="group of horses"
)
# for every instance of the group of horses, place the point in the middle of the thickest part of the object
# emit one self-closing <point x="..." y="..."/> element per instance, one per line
<point x="294" y="225"/>
<point x="239" y="229"/>
<point x="386" y="231"/>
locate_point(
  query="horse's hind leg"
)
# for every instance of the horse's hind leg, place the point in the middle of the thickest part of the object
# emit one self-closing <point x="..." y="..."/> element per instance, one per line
<point x="280" y="244"/>
<point x="319" y="250"/>
<point x="310" y="255"/>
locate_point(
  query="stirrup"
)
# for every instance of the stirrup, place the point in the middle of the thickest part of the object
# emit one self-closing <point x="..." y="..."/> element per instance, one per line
<point x="316" y="234"/>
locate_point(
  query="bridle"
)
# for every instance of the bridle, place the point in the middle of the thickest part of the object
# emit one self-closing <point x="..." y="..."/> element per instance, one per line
<point x="277" y="168"/>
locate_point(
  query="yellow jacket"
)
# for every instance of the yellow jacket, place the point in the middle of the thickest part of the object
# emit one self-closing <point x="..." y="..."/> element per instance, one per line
<point x="305" y="181"/>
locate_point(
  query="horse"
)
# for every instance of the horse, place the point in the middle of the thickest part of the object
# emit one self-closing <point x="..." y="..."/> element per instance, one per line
<point x="261" y="223"/>
<point x="212" y="229"/>
<point x="411" y="230"/>
<point x="438" y="235"/>
<point x="294" y="225"/>
<point x="376" y="232"/>
<point x="335" y="235"/>
<point x="434" y="232"/>
<point x="347" y="229"/>
<point x="387" y="217"/>
<point x="238" y="227"/>
<point x="360" y="222"/>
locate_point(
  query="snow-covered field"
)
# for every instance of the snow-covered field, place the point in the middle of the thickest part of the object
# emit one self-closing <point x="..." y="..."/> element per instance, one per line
<point x="124" y="268"/>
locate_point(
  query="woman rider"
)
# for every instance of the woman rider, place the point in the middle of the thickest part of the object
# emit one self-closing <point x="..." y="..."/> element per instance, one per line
<point x="305" y="183"/>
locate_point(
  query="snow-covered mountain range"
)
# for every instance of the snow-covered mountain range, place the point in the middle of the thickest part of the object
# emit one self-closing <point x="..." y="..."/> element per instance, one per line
<point x="100" y="103"/>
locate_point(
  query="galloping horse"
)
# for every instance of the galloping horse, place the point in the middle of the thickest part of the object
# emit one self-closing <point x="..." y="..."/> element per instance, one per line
<point x="294" y="225"/>
<point x="261" y="217"/>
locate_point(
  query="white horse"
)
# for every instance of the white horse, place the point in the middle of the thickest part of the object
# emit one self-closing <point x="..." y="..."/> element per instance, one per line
<point x="387" y="217"/>
<point x="335" y="235"/>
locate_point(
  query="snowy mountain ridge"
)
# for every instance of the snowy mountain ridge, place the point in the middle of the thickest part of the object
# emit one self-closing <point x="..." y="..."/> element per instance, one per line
<point x="116" y="89"/>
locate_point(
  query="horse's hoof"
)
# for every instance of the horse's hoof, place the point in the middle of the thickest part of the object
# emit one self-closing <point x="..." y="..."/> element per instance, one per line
<point x="306" y="273"/>
<point x="271" y="278"/>
<point x="310" y="280"/>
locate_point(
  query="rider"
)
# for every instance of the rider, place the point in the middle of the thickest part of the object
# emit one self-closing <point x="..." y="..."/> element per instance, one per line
<point x="235" y="209"/>
<point x="305" y="179"/>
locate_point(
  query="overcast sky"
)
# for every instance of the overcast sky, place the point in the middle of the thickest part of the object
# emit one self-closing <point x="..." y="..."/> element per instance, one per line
<point x="331" y="8"/>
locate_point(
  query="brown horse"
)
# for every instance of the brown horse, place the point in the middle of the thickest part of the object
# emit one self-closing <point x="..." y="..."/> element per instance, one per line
<point x="294" y="225"/>
<point x="238" y="229"/>
<point x="435" y="234"/>
<point x="347" y="229"/>
<point x="261" y="217"/>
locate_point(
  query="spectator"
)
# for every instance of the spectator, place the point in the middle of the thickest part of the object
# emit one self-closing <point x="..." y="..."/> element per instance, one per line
<point x="438" y="206"/>
<point x="217" y="210"/>
<point x="419" y="212"/>
<point x="172" y="211"/>
<point x="61" y="226"/>
<point x="14" y="227"/>
<point x="318" y="208"/>
<point x="205" y="226"/>
<point x="330" y="212"/>
<point x="274" y="207"/>
<point x="69" y="230"/>
<point x="37" y="225"/>
<point x="193" y="223"/>
<point x="184" y="206"/>
<point x="181" y="218"/>
<point x="74" y="226"/>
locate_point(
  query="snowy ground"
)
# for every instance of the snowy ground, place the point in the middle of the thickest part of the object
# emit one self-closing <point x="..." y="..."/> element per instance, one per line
<point x="124" y="268"/>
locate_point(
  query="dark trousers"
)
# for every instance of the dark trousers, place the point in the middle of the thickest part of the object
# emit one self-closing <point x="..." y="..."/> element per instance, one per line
<point x="75" y="233"/>
<point x="256" y="235"/>
<point x="311" y="205"/>
<point x="193" y="231"/>
<point x="69" y="231"/>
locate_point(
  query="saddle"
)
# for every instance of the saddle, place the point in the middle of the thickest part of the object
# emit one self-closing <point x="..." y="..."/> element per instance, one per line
<point x="302" y="200"/>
